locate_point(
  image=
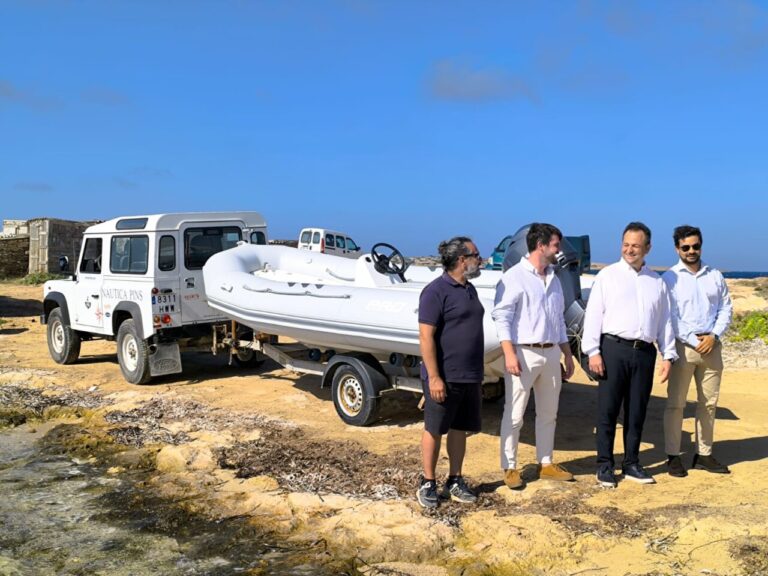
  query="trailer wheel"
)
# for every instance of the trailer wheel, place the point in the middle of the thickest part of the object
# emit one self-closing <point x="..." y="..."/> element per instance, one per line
<point x="248" y="358"/>
<point x="132" y="354"/>
<point x="354" y="397"/>
<point x="63" y="342"/>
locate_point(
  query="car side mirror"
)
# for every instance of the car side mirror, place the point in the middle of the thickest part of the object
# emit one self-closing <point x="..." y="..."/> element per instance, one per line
<point x="63" y="264"/>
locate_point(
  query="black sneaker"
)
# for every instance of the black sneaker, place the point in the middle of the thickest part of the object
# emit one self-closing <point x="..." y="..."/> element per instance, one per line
<point x="606" y="478"/>
<point x="709" y="464"/>
<point x="459" y="491"/>
<point x="427" y="494"/>
<point x="675" y="467"/>
<point x="636" y="473"/>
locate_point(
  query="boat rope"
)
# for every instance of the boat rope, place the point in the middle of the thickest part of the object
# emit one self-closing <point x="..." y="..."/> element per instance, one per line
<point x="284" y="293"/>
<point x="331" y="273"/>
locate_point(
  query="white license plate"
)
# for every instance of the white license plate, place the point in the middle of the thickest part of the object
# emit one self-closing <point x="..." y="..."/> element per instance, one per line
<point x="165" y="299"/>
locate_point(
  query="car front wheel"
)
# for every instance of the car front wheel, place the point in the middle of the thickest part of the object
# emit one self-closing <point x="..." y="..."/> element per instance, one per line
<point x="63" y="342"/>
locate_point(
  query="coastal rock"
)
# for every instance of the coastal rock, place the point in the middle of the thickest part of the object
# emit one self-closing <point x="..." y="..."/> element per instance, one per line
<point x="750" y="354"/>
<point x="185" y="457"/>
<point x="524" y="540"/>
<point x="387" y="531"/>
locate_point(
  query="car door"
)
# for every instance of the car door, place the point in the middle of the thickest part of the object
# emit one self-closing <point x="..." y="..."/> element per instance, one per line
<point x="352" y="249"/>
<point x="200" y="243"/>
<point x="305" y="239"/>
<point x="88" y="305"/>
<point x="341" y="245"/>
<point x="330" y="243"/>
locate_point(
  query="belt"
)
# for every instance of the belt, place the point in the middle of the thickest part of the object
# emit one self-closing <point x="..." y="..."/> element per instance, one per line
<point x="539" y="345"/>
<point x="638" y="344"/>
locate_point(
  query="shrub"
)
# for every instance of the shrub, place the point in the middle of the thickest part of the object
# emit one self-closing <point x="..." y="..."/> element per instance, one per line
<point x="749" y="326"/>
<point x="39" y="278"/>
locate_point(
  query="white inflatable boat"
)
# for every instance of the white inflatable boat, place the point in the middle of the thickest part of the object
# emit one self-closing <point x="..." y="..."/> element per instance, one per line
<point x="367" y="305"/>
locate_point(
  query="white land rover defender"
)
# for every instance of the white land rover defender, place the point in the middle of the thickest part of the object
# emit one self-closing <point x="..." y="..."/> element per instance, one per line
<point x="139" y="281"/>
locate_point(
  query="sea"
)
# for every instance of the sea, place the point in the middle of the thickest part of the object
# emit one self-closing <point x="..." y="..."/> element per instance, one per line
<point x="744" y="275"/>
<point x="733" y="274"/>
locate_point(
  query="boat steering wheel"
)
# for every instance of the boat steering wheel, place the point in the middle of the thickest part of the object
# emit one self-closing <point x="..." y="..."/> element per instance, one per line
<point x="389" y="261"/>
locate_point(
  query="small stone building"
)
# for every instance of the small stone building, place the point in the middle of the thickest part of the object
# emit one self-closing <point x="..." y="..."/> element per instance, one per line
<point x="15" y="228"/>
<point x="51" y="238"/>
<point x="32" y="246"/>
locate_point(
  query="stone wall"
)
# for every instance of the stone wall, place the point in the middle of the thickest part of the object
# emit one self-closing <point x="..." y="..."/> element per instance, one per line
<point x="14" y="257"/>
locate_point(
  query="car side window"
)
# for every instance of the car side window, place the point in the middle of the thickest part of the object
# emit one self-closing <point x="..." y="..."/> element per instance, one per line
<point x="330" y="241"/>
<point x="340" y="242"/>
<point x="166" y="253"/>
<point x="129" y="254"/>
<point x="351" y="245"/>
<point x="258" y="237"/>
<point x="91" y="262"/>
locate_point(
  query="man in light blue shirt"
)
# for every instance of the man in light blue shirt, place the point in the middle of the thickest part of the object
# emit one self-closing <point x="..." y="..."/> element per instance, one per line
<point x="701" y="313"/>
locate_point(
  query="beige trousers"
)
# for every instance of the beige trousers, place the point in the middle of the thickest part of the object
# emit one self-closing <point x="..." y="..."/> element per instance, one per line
<point x="707" y="372"/>
<point x="540" y="374"/>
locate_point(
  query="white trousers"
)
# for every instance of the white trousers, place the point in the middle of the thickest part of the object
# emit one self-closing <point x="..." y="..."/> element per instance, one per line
<point x="540" y="373"/>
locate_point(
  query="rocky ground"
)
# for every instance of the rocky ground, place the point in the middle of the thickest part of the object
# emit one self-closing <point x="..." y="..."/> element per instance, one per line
<point x="267" y="445"/>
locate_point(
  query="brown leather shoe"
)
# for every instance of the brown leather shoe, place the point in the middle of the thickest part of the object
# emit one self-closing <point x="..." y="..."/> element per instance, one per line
<point x="512" y="479"/>
<point x="554" y="472"/>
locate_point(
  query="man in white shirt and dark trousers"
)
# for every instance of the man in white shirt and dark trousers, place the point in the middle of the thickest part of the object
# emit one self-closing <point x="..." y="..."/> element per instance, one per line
<point x="628" y="310"/>
<point x="528" y="313"/>
<point x="701" y="313"/>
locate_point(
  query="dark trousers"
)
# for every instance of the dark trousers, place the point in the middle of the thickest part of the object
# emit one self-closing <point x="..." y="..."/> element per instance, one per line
<point x="628" y="381"/>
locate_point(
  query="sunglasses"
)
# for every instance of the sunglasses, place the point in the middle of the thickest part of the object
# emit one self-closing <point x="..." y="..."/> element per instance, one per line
<point x="694" y="247"/>
<point x="472" y="255"/>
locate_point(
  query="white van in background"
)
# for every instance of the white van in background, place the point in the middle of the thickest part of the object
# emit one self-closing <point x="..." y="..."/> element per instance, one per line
<point x="328" y="242"/>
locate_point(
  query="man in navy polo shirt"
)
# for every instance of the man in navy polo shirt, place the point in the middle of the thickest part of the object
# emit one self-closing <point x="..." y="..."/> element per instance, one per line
<point x="451" y="341"/>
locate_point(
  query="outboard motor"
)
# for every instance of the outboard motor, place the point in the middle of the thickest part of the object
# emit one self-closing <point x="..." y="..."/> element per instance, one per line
<point x="568" y="270"/>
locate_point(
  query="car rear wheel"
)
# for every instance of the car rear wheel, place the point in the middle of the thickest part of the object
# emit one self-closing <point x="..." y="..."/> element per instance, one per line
<point x="132" y="354"/>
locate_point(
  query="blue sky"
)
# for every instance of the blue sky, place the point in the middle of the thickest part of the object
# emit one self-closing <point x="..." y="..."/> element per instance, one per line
<point x="399" y="121"/>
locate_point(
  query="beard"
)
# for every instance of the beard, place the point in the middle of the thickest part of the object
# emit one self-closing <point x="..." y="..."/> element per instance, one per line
<point x="692" y="258"/>
<point x="472" y="272"/>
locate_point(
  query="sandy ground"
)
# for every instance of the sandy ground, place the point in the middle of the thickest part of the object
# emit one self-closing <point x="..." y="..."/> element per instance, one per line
<point x="703" y="524"/>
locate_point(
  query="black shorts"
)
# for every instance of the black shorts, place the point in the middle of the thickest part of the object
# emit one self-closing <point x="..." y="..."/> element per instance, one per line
<point x="459" y="411"/>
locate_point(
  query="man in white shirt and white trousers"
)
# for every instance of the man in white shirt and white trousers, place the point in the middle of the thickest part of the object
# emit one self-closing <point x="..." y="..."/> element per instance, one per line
<point x="701" y="313"/>
<point x="628" y="310"/>
<point x="529" y="317"/>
